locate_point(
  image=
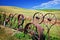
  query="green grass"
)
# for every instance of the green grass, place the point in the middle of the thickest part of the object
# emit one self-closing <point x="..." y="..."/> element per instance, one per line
<point x="54" y="32"/>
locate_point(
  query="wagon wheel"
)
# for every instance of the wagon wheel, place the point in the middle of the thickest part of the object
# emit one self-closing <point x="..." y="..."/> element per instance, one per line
<point x="11" y="15"/>
<point x="30" y="27"/>
<point x="49" y="20"/>
<point x="20" y="20"/>
<point x="38" y="17"/>
<point x="11" y="18"/>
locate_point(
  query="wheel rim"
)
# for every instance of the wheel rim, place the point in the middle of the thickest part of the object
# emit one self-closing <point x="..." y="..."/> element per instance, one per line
<point x="38" y="17"/>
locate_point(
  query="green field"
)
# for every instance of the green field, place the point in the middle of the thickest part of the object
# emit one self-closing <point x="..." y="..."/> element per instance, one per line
<point x="54" y="32"/>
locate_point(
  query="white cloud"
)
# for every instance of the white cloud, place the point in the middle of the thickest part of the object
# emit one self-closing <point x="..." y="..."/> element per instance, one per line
<point x="50" y="4"/>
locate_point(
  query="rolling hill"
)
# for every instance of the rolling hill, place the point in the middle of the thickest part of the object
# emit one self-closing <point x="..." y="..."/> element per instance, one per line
<point x="11" y="9"/>
<point x="55" y="30"/>
<point x="27" y="12"/>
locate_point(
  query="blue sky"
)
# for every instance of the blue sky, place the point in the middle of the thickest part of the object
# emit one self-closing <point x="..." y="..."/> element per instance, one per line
<point x="32" y="4"/>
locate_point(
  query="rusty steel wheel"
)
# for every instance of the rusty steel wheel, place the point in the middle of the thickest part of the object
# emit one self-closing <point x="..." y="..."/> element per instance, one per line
<point x="50" y="19"/>
<point x="32" y="30"/>
<point x="30" y="27"/>
<point x="38" y="17"/>
<point x="21" y="16"/>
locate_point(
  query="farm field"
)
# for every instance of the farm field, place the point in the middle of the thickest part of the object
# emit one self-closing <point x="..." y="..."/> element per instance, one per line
<point x="54" y="32"/>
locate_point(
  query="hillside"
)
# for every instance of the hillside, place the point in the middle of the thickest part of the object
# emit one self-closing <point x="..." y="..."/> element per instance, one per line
<point x="27" y="12"/>
<point x="11" y="9"/>
<point x="5" y="31"/>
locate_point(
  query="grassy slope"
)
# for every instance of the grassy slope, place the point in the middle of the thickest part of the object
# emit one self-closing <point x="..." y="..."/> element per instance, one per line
<point x="55" y="29"/>
<point x="10" y="9"/>
<point x="26" y="12"/>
